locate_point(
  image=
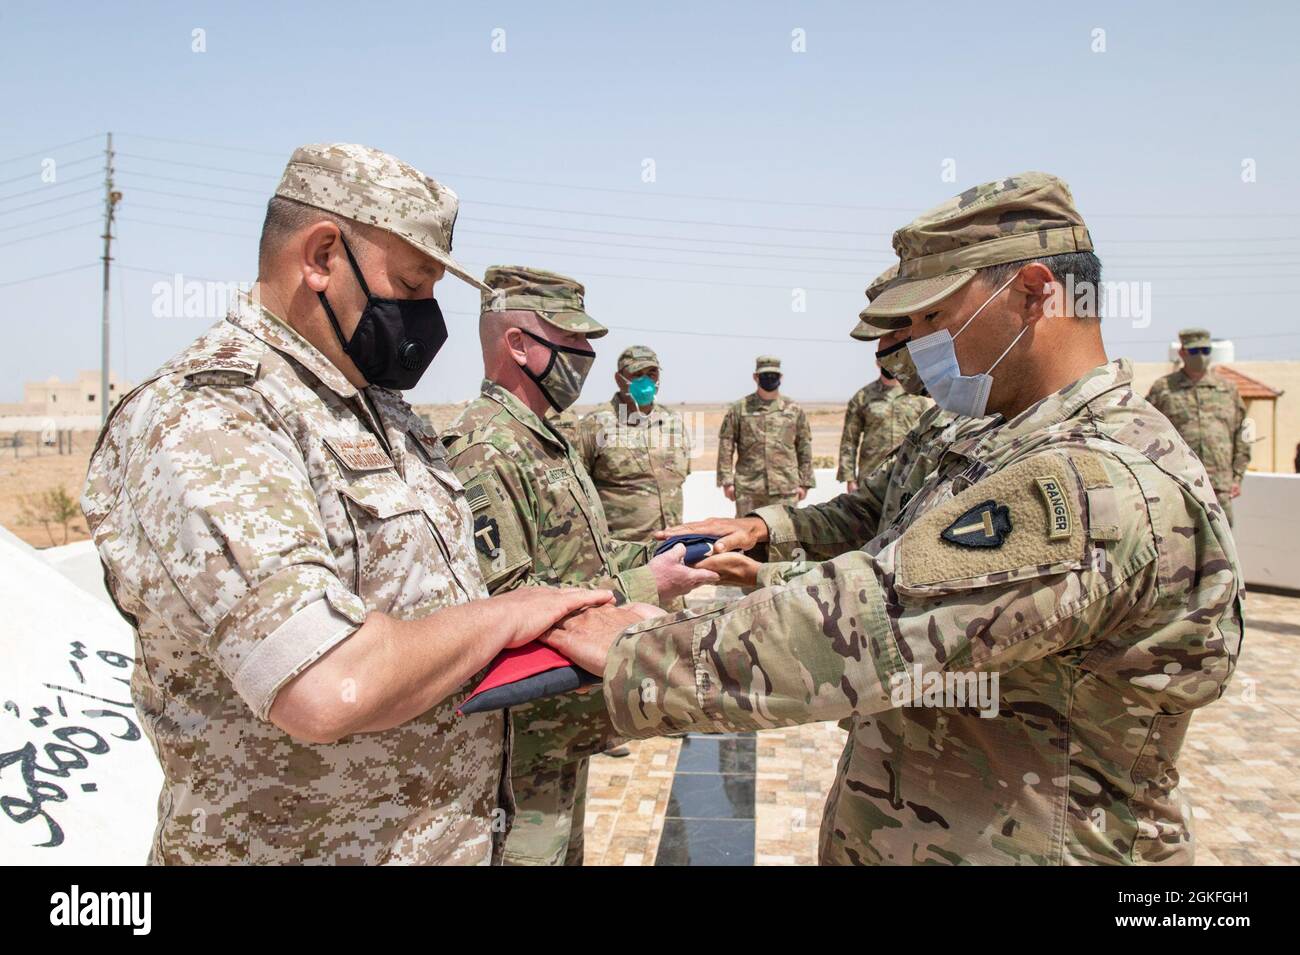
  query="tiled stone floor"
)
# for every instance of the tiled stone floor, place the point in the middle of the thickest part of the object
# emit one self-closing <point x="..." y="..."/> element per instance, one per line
<point x="1240" y="766"/>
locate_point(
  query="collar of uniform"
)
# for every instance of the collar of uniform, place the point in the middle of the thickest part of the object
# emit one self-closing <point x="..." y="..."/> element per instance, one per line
<point x="615" y="404"/>
<point x="519" y="411"/>
<point x="776" y="404"/>
<point x="1182" y="380"/>
<point x="1050" y="411"/>
<point x="257" y="320"/>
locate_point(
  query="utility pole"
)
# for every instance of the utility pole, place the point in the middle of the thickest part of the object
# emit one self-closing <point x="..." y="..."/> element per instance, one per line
<point x="111" y="199"/>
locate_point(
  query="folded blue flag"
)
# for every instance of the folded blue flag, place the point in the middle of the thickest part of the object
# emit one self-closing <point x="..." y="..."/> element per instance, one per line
<point x="698" y="546"/>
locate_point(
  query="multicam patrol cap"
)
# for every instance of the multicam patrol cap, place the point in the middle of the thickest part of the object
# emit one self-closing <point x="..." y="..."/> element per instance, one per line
<point x="636" y="358"/>
<point x="767" y="363"/>
<point x="374" y="188"/>
<point x="869" y="328"/>
<point x="557" y="299"/>
<point x="1021" y="217"/>
<point x="1194" y="338"/>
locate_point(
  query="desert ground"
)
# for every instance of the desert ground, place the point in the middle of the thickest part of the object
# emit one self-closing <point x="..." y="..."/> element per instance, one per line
<point x="29" y="472"/>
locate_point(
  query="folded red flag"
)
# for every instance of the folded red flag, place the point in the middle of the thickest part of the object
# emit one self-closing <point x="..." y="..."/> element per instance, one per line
<point x="524" y="674"/>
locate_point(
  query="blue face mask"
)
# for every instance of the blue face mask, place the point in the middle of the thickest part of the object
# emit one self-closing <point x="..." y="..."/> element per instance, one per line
<point x="935" y="357"/>
<point x="642" y="389"/>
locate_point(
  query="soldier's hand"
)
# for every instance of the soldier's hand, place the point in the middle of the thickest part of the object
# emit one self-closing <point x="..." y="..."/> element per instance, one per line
<point x="735" y="569"/>
<point x="800" y="493"/>
<point x="733" y="533"/>
<point x="673" y="578"/>
<point x="531" y="611"/>
<point x="851" y="487"/>
<point x="1234" y="491"/>
<point x="585" y="638"/>
<point x="730" y="491"/>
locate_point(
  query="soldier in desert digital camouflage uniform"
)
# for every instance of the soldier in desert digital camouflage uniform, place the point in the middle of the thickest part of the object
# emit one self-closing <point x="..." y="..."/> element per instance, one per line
<point x="1208" y="412"/>
<point x="287" y="539"/>
<point x="537" y="519"/>
<point x="638" y="454"/>
<point x="1076" y="551"/>
<point x="765" y="445"/>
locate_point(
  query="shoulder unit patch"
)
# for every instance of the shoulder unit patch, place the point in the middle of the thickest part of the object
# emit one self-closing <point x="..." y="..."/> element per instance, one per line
<point x="987" y="524"/>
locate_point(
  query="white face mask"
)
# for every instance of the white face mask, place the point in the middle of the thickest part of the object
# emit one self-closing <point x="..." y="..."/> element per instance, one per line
<point x="935" y="358"/>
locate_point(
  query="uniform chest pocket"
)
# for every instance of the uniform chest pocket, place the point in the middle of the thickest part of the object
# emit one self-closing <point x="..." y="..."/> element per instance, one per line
<point x="618" y="463"/>
<point x="781" y="430"/>
<point x="390" y="530"/>
<point x="753" y="428"/>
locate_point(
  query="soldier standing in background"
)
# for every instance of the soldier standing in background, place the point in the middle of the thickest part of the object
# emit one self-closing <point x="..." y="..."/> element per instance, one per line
<point x="1209" y="414"/>
<point x="875" y="421"/>
<point x="537" y="519"/>
<point x="765" y="445"/>
<point x="286" y="538"/>
<point x="637" y="451"/>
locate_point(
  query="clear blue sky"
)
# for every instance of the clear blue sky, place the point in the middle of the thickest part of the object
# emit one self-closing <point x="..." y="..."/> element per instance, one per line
<point x="808" y="160"/>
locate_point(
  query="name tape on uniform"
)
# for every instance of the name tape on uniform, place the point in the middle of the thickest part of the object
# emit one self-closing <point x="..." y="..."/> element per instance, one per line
<point x="360" y="453"/>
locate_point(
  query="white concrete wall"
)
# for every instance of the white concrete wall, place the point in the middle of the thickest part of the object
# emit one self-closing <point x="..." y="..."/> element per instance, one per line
<point x="703" y="498"/>
<point x="1267" y="529"/>
<point x="76" y="763"/>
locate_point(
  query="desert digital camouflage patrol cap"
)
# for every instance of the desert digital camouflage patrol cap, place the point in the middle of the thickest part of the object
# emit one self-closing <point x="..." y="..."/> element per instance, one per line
<point x="1194" y="338"/>
<point x="870" y="328"/>
<point x="1026" y="216"/>
<point x="767" y="363"/>
<point x="557" y="299"/>
<point x="377" y="189"/>
<point x="637" y="358"/>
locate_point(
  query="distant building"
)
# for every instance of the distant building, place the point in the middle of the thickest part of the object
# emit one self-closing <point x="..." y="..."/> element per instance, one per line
<point x="55" y="397"/>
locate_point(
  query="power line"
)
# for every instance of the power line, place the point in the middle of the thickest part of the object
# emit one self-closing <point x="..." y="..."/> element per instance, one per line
<point x="46" y="202"/>
<point x="60" y="165"/>
<point x="44" y="219"/>
<point x="181" y="195"/>
<point x="194" y="165"/>
<point x="49" y="149"/>
<point x="49" y="185"/>
<point x="41" y="235"/>
<point x="190" y="142"/>
<point x="46" y="275"/>
<point x="192" y="182"/>
<point x="708" y="222"/>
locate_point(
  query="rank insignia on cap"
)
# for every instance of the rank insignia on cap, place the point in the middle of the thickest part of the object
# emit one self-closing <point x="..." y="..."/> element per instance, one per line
<point x="1058" y="508"/>
<point x="487" y="535"/>
<point x="984" y="525"/>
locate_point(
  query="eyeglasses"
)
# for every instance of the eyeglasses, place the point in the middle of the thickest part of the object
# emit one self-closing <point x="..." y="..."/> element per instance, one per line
<point x="1199" y="350"/>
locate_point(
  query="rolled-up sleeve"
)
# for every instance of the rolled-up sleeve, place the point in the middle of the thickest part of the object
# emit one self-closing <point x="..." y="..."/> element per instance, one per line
<point x="238" y="561"/>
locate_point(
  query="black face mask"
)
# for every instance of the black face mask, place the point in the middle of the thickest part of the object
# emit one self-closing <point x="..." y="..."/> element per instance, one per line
<point x="769" y="380"/>
<point x="395" y="339"/>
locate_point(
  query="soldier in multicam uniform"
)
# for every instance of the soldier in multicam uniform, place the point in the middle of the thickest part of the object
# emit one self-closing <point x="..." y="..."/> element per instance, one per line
<point x="537" y="519"/>
<point x="765" y="445"/>
<point x="1209" y="413"/>
<point x="637" y="451"/>
<point x="1075" y="551"/>
<point x="286" y="537"/>
<point x="877" y="417"/>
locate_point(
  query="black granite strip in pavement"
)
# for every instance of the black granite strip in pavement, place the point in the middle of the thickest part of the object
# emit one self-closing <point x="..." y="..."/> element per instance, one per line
<point x="710" y="816"/>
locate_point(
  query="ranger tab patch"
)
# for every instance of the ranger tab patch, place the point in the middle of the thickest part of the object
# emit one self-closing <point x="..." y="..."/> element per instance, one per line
<point x="984" y="525"/>
<point x="1058" y="508"/>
